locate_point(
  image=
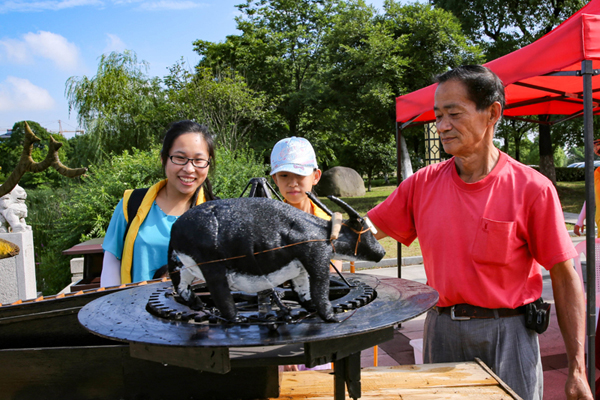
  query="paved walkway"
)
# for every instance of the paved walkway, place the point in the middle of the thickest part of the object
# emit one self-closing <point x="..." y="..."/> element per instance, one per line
<point x="399" y="352"/>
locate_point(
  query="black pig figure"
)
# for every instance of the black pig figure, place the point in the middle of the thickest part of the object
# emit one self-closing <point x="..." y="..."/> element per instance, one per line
<point x="253" y="244"/>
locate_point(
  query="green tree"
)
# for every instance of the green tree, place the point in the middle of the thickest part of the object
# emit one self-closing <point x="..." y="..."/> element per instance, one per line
<point x="280" y="52"/>
<point x="501" y="27"/>
<point x="514" y="131"/>
<point x="375" y="58"/>
<point x="372" y="157"/>
<point x="117" y="107"/>
<point x="223" y="101"/>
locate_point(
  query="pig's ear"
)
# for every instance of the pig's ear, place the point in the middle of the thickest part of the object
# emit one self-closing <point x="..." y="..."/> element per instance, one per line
<point x="351" y="211"/>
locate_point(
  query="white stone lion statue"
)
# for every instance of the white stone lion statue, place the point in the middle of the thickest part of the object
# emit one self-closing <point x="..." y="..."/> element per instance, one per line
<point x="13" y="211"/>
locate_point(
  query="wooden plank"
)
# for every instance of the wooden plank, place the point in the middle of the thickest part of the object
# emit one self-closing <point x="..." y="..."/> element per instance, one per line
<point x="427" y="381"/>
<point x="488" y="393"/>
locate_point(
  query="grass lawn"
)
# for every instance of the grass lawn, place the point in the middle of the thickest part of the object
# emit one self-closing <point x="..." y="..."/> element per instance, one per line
<point x="571" y="194"/>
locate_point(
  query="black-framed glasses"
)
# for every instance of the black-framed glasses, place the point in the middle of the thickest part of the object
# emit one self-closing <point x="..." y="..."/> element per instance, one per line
<point x="196" y="162"/>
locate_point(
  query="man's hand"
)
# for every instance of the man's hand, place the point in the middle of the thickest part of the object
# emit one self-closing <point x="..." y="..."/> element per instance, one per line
<point x="570" y="312"/>
<point x="577" y="387"/>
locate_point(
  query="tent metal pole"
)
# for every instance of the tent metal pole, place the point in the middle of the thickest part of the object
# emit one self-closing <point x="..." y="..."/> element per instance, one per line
<point x="588" y="138"/>
<point x="398" y="177"/>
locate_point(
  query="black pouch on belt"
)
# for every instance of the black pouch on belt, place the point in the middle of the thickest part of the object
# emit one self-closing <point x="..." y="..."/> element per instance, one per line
<point x="537" y="315"/>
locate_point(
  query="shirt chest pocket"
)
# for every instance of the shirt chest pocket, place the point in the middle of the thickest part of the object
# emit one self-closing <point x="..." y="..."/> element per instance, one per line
<point x="493" y="241"/>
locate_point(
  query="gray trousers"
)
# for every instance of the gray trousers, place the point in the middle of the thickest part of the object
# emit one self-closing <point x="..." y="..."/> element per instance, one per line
<point x="504" y="344"/>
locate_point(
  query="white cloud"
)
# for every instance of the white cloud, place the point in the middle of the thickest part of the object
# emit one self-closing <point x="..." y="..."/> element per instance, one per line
<point x="114" y="43"/>
<point x="20" y="94"/>
<point x="170" y="5"/>
<point x="48" y="45"/>
<point x="29" y="6"/>
<point x="55" y="48"/>
<point x="14" y="51"/>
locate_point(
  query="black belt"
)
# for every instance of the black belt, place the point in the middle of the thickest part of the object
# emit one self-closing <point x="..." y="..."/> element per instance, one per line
<point x="464" y="312"/>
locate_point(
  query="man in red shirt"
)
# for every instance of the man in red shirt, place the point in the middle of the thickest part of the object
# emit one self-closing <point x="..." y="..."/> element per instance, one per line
<point x="485" y="224"/>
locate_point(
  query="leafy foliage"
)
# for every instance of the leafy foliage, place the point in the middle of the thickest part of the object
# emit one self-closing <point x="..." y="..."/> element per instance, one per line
<point x="119" y="108"/>
<point x="234" y="171"/>
<point x="333" y="68"/>
<point x="501" y="27"/>
<point x="280" y="52"/>
<point x="222" y="101"/>
<point x="371" y="157"/>
<point x="82" y="209"/>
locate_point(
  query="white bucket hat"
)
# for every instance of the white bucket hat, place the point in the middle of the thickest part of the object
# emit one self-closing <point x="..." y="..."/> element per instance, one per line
<point x="293" y="154"/>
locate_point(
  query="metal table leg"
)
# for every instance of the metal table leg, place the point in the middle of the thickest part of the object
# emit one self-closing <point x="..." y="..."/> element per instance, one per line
<point x="347" y="374"/>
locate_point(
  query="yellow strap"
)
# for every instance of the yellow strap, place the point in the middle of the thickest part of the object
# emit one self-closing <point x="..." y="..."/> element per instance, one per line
<point x="138" y="219"/>
<point x="126" y="197"/>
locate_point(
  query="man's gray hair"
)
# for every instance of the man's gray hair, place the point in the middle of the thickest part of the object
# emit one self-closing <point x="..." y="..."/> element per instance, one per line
<point x="483" y="86"/>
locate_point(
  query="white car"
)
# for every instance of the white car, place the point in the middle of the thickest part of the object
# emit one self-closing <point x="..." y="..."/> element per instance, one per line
<point x="582" y="164"/>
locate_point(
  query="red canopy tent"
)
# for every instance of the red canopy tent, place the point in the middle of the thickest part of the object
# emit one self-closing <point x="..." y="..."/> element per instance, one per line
<point x="557" y="74"/>
<point x="542" y="78"/>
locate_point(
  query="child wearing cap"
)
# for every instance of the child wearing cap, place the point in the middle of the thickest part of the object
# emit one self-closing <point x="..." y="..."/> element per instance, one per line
<point x="578" y="230"/>
<point x="294" y="170"/>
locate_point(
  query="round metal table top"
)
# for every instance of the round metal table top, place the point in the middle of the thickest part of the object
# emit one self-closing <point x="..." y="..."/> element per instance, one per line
<point x="122" y="316"/>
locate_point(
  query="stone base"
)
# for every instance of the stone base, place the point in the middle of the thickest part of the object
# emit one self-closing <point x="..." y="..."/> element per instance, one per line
<point x="17" y="274"/>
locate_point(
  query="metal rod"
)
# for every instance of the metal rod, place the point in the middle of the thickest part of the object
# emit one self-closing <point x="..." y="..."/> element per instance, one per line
<point x="588" y="138"/>
<point x="398" y="178"/>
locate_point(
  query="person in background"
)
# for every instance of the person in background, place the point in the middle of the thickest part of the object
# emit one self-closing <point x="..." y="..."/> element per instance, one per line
<point x="294" y="170"/>
<point x="135" y="250"/>
<point x="580" y="225"/>
<point x="485" y="224"/>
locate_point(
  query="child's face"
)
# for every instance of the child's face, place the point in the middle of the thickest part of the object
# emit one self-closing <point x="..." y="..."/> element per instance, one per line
<point x="293" y="187"/>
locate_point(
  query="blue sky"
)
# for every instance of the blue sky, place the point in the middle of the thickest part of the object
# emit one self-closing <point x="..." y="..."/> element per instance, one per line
<point x="44" y="42"/>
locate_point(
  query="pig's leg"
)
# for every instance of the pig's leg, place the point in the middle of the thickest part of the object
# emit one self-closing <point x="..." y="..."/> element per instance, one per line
<point x="220" y="292"/>
<point x="301" y="286"/>
<point x="319" y="291"/>
<point x="183" y="270"/>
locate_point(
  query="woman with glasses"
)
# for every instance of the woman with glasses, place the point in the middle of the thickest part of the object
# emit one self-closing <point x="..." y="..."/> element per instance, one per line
<point x="135" y="246"/>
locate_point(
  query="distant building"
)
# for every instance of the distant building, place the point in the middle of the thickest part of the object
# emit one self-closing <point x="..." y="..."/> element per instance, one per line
<point x="6" y="135"/>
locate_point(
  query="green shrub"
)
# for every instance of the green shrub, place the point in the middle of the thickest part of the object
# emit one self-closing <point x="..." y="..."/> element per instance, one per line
<point x="564" y="174"/>
<point x="234" y="170"/>
<point x="81" y="210"/>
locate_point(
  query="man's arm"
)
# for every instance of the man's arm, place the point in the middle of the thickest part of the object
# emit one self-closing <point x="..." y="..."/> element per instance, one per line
<point x="570" y="311"/>
<point x="380" y="234"/>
